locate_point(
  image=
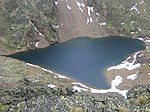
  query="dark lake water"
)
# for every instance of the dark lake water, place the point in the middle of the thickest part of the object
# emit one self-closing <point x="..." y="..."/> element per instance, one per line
<point x="84" y="58"/>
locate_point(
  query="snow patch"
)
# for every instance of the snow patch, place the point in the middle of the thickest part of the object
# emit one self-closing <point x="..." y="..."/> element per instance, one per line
<point x="79" y="89"/>
<point x="90" y="9"/>
<point x="87" y="21"/>
<point x="55" y="26"/>
<point x="61" y="76"/>
<point x="122" y="23"/>
<point x="37" y="44"/>
<point x="56" y="2"/>
<point x="139" y="29"/>
<point x="36" y="80"/>
<point x="134" y="7"/>
<point x="68" y="7"/>
<point x="51" y="86"/>
<point x="114" y="83"/>
<point x="141" y="39"/>
<point x="141" y="2"/>
<point x="132" y="77"/>
<point x="37" y="30"/>
<point x="57" y="75"/>
<point x="91" y="20"/>
<point x="147" y="40"/>
<point x="97" y="14"/>
<point x="82" y="85"/>
<point x="141" y="55"/>
<point x="102" y="23"/>
<point x="126" y="64"/>
<point x="80" y="5"/>
<point x="118" y="80"/>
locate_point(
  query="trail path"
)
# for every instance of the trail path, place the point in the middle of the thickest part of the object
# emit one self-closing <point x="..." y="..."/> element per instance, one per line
<point x="77" y="19"/>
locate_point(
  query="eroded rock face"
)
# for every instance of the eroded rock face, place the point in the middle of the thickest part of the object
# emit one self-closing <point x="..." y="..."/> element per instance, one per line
<point x="124" y="17"/>
<point x="26" y="22"/>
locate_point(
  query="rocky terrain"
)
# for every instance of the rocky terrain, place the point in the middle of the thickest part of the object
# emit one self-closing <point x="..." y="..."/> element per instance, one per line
<point x="125" y="18"/>
<point x="30" y="89"/>
<point x="34" y="24"/>
<point x="27" y="24"/>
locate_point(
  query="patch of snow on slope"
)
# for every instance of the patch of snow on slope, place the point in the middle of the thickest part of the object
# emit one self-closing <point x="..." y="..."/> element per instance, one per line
<point x="61" y="76"/>
<point x="102" y="23"/>
<point x="91" y="20"/>
<point x="126" y="64"/>
<point x="79" y="89"/>
<point x="114" y="83"/>
<point x="51" y="86"/>
<point x="132" y="77"/>
<point x="56" y="75"/>
<point x="37" y="44"/>
<point x="134" y="7"/>
<point x="141" y="2"/>
<point x="55" y="26"/>
<point x="90" y="10"/>
<point x="56" y="2"/>
<point x="82" y="85"/>
<point x="141" y="39"/>
<point x="97" y="14"/>
<point x="147" y="40"/>
<point x="68" y="7"/>
<point x="80" y="5"/>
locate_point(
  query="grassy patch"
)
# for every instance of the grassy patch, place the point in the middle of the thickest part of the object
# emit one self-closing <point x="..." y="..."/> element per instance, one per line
<point x="76" y="109"/>
<point x="3" y="107"/>
<point x="122" y="109"/>
<point x="142" y="100"/>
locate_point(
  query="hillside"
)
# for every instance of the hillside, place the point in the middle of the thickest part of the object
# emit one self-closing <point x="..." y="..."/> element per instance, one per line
<point x="33" y="24"/>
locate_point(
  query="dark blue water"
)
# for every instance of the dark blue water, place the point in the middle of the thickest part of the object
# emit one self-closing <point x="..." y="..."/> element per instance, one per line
<point x="83" y="59"/>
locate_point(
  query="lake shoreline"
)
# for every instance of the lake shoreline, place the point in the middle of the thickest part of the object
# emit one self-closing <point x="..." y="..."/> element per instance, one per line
<point x="89" y="39"/>
<point x="138" y="75"/>
<point x="110" y="75"/>
<point x="5" y="53"/>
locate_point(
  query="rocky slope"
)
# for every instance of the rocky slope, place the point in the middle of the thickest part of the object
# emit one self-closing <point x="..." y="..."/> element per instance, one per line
<point x="31" y="24"/>
<point x="27" y="24"/>
<point x="24" y="90"/>
<point x="125" y="18"/>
